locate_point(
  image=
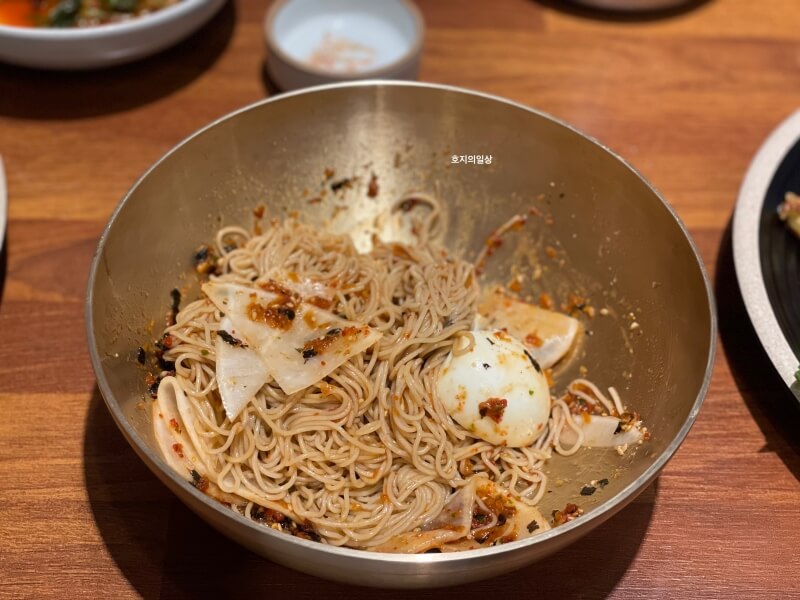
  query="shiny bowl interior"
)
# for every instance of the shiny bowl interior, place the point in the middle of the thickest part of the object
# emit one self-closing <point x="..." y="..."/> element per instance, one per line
<point x="621" y="245"/>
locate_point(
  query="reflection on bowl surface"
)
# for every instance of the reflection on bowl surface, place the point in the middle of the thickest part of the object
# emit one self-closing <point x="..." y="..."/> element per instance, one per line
<point x="615" y="240"/>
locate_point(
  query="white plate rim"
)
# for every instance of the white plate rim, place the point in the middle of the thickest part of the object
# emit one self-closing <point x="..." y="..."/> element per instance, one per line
<point x="746" y="254"/>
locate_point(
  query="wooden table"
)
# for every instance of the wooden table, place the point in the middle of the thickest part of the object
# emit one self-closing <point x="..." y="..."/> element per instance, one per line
<point x="686" y="97"/>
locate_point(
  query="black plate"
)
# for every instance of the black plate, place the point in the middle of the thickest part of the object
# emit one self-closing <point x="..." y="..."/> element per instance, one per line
<point x="779" y="250"/>
<point x="767" y="254"/>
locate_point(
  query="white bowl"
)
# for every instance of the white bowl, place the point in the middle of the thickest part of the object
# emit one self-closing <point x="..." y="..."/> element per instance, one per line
<point x="104" y="45"/>
<point x="312" y="42"/>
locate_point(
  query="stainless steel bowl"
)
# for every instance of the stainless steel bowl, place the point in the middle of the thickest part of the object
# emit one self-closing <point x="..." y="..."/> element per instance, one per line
<point x="623" y="246"/>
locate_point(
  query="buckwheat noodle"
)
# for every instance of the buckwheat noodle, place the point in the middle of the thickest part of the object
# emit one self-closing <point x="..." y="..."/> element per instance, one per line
<point x="370" y="452"/>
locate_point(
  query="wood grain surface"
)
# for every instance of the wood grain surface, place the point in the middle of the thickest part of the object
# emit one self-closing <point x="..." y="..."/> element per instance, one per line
<point x="687" y="96"/>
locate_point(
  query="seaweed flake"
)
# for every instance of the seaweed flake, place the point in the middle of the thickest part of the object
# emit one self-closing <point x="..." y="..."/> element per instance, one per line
<point x="229" y="339"/>
<point x="533" y="362"/>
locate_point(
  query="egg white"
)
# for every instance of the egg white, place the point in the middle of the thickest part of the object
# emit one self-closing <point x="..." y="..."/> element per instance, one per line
<point x="499" y="371"/>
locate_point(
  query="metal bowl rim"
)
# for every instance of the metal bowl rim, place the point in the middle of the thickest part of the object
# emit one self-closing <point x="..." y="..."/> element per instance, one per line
<point x="599" y="514"/>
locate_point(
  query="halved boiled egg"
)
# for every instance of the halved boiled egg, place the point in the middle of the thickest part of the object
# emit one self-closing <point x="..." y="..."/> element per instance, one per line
<point x="496" y="390"/>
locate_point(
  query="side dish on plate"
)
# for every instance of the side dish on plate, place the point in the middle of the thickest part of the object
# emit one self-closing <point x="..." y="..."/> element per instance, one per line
<point x="75" y="13"/>
<point x="789" y="212"/>
<point x="88" y="34"/>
